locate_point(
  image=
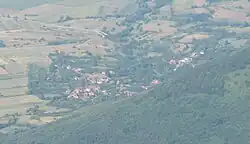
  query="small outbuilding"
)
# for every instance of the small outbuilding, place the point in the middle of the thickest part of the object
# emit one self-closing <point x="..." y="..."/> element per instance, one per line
<point x="2" y="44"/>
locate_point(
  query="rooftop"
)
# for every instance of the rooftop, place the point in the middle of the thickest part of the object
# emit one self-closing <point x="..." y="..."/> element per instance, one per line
<point x="3" y="71"/>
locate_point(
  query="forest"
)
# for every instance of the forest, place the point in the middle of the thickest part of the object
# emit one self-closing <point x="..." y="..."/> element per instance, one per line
<point x="186" y="105"/>
<point x="202" y="101"/>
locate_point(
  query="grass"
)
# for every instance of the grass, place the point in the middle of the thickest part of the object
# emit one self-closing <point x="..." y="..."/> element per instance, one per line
<point x="17" y="108"/>
<point x="9" y="102"/>
<point x="9" y="83"/>
<point x="36" y="120"/>
<point x="18" y="91"/>
<point x="20" y="104"/>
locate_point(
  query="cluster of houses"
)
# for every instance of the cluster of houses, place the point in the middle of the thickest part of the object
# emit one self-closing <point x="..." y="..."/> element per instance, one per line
<point x="97" y="78"/>
<point x="88" y="86"/>
<point x="94" y="88"/>
<point x="184" y="61"/>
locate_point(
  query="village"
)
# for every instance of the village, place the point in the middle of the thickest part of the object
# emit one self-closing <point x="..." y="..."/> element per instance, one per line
<point x="88" y="86"/>
<point x="53" y="63"/>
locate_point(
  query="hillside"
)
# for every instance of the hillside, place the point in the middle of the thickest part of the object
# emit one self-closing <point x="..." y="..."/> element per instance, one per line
<point x="126" y="72"/>
<point x="168" y="114"/>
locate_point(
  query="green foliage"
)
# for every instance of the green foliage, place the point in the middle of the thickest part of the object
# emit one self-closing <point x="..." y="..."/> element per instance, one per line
<point x="33" y="111"/>
<point x="186" y="108"/>
<point x="2" y="136"/>
<point x="160" y="3"/>
<point x="237" y="85"/>
<point x="125" y="33"/>
<point x="35" y="117"/>
<point x="36" y="77"/>
<point x="189" y="107"/>
<point x="13" y="119"/>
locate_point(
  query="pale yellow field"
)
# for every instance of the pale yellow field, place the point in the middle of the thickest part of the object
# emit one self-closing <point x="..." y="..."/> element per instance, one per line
<point x="9" y="102"/>
<point x="10" y="92"/>
<point x="42" y="120"/>
<point x="20" y="104"/>
<point x="9" y="83"/>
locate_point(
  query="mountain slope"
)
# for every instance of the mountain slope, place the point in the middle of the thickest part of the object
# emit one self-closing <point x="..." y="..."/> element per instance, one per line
<point x="168" y="114"/>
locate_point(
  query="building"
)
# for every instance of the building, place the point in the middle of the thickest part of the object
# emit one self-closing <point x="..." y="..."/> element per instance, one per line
<point x="3" y="71"/>
<point x="2" y="44"/>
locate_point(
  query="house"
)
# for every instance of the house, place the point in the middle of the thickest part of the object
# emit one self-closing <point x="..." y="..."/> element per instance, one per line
<point x="2" y="44"/>
<point x="3" y="71"/>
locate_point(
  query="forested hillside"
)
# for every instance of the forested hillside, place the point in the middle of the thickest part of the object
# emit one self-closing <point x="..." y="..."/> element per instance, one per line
<point x="170" y="73"/>
<point x="181" y="110"/>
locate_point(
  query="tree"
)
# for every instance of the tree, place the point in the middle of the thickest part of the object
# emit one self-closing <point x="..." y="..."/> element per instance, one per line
<point x="13" y="120"/>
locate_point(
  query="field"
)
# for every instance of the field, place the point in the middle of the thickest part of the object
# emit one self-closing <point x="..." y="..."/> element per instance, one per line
<point x="134" y="43"/>
<point x="14" y="91"/>
<point x="27" y="38"/>
<point x="23" y="4"/>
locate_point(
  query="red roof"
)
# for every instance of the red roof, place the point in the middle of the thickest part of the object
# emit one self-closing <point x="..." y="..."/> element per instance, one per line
<point x="3" y="71"/>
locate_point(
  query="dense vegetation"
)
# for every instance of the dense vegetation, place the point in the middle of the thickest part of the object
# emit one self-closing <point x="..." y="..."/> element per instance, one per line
<point x="192" y="105"/>
<point x="182" y="110"/>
